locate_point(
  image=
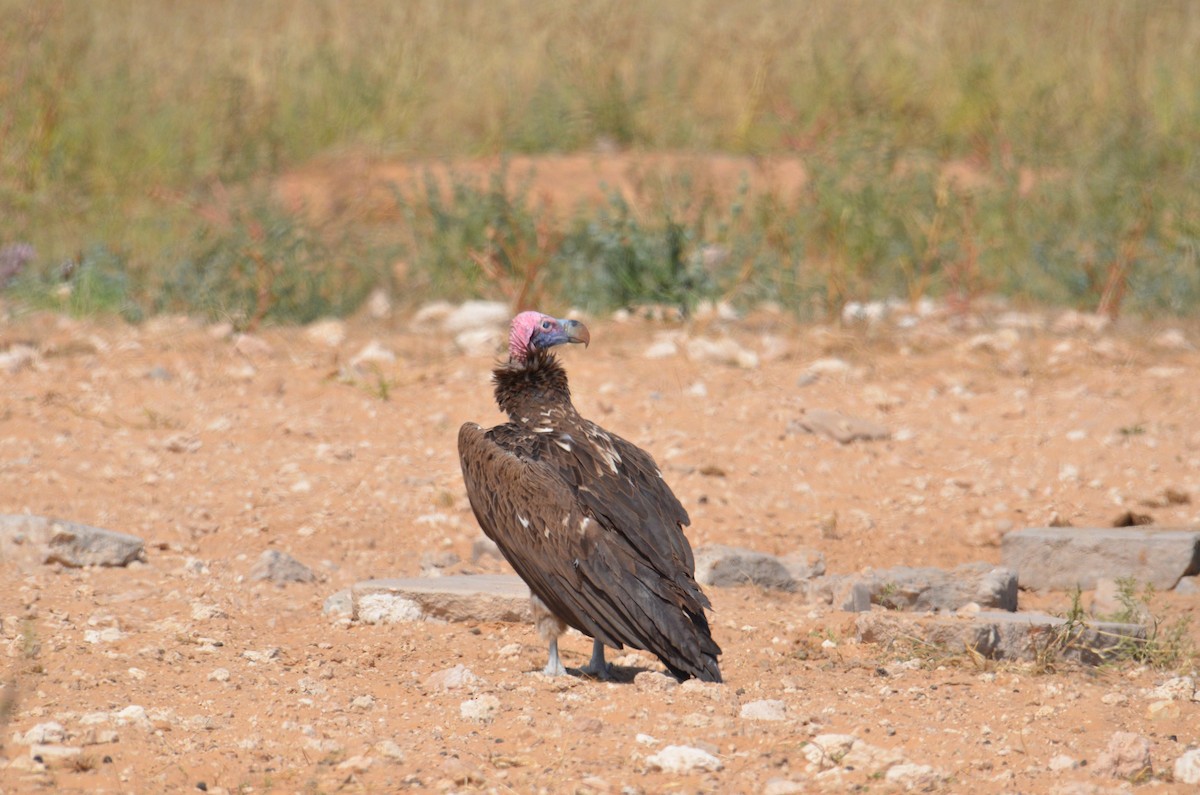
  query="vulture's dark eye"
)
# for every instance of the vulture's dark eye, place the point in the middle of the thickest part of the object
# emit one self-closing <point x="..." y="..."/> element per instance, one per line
<point x="546" y="325"/>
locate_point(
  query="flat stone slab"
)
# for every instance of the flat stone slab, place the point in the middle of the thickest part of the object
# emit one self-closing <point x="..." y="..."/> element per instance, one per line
<point x="35" y="540"/>
<point x="840" y="427"/>
<point x="919" y="589"/>
<point x="1002" y="635"/>
<point x="1063" y="558"/>
<point x="723" y="566"/>
<point x="458" y="597"/>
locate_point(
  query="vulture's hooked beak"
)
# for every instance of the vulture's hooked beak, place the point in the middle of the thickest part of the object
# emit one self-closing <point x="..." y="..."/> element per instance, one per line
<point x="576" y="332"/>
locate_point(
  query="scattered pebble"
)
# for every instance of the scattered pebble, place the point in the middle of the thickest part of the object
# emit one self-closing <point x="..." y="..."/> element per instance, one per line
<point x="766" y="709"/>
<point x="683" y="759"/>
<point x="1127" y="756"/>
<point x="480" y="710"/>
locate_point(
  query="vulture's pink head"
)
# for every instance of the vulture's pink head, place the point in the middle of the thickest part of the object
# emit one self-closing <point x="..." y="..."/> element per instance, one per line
<point x="533" y="331"/>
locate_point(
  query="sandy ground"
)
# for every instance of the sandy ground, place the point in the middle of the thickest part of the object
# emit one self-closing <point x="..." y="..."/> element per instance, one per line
<point x="184" y="674"/>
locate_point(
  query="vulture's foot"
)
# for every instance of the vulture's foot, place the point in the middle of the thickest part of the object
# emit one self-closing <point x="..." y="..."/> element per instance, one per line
<point x="597" y="667"/>
<point x="554" y="667"/>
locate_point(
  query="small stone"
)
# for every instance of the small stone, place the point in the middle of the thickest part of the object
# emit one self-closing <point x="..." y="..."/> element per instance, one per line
<point x="480" y="710"/>
<point x="655" y="682"/>
<point x="251" y="347"/>
<point x="356" y="764"/>
<point x="827" y="750"/>
<point x="476" y="314"/>
<point x="280" y="568"/>
<point x="257" y="656"/>
<point x="363" y="702"/>
<point x="1062" y="762"/>
<point x="373" y="353"/>
<point x="766" y="709"/>
<point x="828" y="367"/>
<point x="1162" y="710"/>
<point x="1173" y="339"/>
<point x="44" y="734"/>
<point x="219" y="675"/>
<point x="838" y="427"/>
<point x="1127" y="756"/>
<point x="203" y="611"/>
<point x="479" y="341"/>
<point x="134" y="715"/>
<point x="452" y="678"/>
<point x="661" y="349"/>
<point x="722" y="351"/>
<point x="388" y="749"/>
<point x="106" y="635"/>
<point x="783" y="786"/>
<point x="329" y="332"/>
<point x="1187" y="767"/>
<point x="379" y="304"/>
<point x="912" y="776"/>
<point x="17" y="357"/>
<point x="683" y="759"/>
<point x="1179" y="688"/>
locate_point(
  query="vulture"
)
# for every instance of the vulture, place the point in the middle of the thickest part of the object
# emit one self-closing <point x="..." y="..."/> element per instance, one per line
<point x="584" y="516"/>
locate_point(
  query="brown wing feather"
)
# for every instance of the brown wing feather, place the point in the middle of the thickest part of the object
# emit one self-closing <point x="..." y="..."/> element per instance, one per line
<point x="584" y="541"/>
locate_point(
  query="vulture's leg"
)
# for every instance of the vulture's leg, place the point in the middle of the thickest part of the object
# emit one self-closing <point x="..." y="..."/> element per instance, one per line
<point x="549" y="626"/>
<point x="554" y="667"/>
<point x="596" y="666"/>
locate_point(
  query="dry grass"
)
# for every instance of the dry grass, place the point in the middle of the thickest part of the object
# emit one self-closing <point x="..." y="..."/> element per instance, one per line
<point x="107" y="108"/>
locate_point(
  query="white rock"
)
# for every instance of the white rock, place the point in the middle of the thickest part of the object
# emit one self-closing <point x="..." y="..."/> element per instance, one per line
<point x="646" y="739"/>
<point x="252" y="347"/>
<point x="1173" y="339"/>
<point x="44" y="733"/>
<point x="477" y="314"/>
<point x="363" y="702"/>
<point x="479" y="341"/>
<point x="871" y="759"/>
<point x="655" y="682"/>
<point x="766" y="709"/>
<point x="1127" y="756"/>
<point x="372" y="353"/>
<point x="1187" y="767"/>
<point x="1062" y="762"/>
<point x="829" y="366"/>
<point x="379" y="304"/>
<point x="261" y="656"/>
<point x="390" y="750"/>
<point x="827" y="750"/>
<point x="723" y="351"/>
<point x="452" y="678"/>
<point x="133" y="715"/>
<point x="329" y="332"/>
<point x="434" y="312"/>
<point x="17" y="357"/>
<point x="1180" y="688"/>
<point x="219" y="675"/>
<point x="106" y="635"/>
<point x="783" y="786"/>
<point x="683" y="759"/>
<point x="1001" y="341"/>
<point x="912" y="776"/>
<point x="480" y="710"/>
<point x="661" y="349"/>
<point x="357" y="764"/>
<point x="202" y="611"/>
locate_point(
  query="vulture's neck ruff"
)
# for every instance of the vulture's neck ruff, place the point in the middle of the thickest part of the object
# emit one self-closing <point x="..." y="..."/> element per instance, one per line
<point x="526" y="388"/>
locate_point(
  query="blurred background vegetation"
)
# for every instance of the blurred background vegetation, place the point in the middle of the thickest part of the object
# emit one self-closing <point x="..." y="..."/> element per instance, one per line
<point x="1046" y="151"/>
